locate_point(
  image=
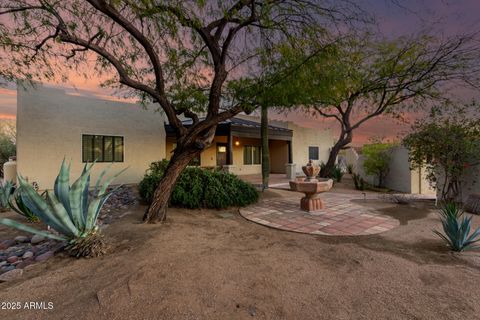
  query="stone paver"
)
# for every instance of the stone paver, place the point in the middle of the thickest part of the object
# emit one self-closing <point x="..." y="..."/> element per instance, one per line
<point x="341" y="217"/>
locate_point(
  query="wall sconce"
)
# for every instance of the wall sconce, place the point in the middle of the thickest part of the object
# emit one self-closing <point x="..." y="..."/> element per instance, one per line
<point x="237" y="143"/>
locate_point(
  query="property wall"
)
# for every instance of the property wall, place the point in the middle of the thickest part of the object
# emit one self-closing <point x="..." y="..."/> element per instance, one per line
<point x="470" y="183"/>
<point x="400" y="177"/>
<point x="50" y="125"/>
<point x="306" y="137"/>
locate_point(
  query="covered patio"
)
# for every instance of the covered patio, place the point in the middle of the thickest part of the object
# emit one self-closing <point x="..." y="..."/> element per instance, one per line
<point x="237" y="147"/>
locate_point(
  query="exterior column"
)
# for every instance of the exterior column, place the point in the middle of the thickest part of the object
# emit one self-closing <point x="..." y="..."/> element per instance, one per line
<point x="229" y="147"/>
<point x="290" y="157"/>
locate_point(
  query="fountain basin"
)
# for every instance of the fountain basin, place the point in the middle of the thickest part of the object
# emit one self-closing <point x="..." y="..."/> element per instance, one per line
<point x="312" y="186"/>
<point x="312" y="189"/>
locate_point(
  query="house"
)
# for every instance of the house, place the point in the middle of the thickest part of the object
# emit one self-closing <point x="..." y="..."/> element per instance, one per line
<point x="52" y="125"/>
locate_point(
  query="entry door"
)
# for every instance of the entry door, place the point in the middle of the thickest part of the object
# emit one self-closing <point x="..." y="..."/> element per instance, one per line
<point x="221" y="154"/>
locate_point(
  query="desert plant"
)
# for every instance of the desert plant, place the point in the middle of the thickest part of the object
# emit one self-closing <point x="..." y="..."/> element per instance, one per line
<point x="456" y="228"/>
<point x="350" y="168"/>
<point x="377" y="160"/>
<point x="200" y="188"/>
<point x="17" y="204"/>
<point x="68" y="210"/>
<point x="358" y="181"/>
<point x="6" y="189"/>
<point x="337" y="173"/>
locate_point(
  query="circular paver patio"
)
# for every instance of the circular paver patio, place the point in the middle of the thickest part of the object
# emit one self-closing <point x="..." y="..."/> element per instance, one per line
<point x="341" y="216"/>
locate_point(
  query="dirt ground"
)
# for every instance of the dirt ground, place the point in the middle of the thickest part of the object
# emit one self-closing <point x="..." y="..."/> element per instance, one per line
<point x="204" y="264"/>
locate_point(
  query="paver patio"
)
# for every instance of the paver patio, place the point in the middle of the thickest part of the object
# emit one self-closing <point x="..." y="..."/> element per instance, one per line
<point x="341" y="216"/>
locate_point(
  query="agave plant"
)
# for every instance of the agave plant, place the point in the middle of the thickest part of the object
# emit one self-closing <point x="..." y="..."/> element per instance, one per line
<point x="6" y="189"/>
<point x="68" y="210"/>
<point x="17" y="204"/>
<point x="456" y="228"/>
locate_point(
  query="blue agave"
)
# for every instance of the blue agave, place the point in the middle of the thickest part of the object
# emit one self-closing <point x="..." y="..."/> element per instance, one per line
<point x="456" y="228"/>
<point x="69" y="210"/>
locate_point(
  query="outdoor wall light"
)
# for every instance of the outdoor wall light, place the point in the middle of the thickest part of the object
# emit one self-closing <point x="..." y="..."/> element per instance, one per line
<point x="237" y="143"/>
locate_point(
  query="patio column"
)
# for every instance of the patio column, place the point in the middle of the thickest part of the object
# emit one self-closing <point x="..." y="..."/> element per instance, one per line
<point x="290" y="157"/>
<point x="229" y="147"/>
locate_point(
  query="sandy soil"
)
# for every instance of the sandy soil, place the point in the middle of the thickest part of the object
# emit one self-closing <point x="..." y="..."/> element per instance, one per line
<point x="200" y="265"/>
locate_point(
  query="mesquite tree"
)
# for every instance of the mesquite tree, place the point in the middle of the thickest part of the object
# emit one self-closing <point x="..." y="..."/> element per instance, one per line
<point x="361" y="78"/>
<point x="447" y="145"/>
<point x="177" y="55"/>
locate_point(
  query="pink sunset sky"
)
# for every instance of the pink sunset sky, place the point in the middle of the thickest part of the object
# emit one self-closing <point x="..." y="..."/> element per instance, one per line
<point x="405" y="17"/>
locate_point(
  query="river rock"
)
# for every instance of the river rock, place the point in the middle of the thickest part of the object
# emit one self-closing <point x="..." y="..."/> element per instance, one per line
<point x="12" y="259"/>
<point x="5" y="244"/>
<point x="13" y="274"/>
<point x="28" y="254"/>
<point x="44" y="256"/>
<point x="21" y="239"/>
<point x="37" y="239"/>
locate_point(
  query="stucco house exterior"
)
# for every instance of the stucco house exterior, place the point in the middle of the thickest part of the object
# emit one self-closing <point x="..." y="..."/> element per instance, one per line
<point x="52" y="125"/>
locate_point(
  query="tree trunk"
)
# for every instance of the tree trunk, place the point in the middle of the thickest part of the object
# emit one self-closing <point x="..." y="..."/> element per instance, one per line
<point x="265" y="149"/>
<point x="327" y="170"/>
<point x="157" y="211"/>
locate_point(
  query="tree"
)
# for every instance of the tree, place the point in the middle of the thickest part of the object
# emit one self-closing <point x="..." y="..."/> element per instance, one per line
<point x="377" y="160"/>
<point x="177" y="55"/>
<point x="448" y="146"/>
<point x="363" y="77"/>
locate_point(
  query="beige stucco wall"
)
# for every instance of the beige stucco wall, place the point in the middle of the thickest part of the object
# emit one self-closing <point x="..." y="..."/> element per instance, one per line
<point x="50" y="124"/>
<point x="400" y="177"/>
<point x="306" y="137"/>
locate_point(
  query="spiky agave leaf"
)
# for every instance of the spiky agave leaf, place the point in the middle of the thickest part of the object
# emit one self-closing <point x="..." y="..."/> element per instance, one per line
<point x="22" y="227"/>
<point x="16" y="204"/>
<point x="43" y="210"/>
<point x="100" y="199"/>
<point x="62" y="187"/>
<point x="77" y="196"/>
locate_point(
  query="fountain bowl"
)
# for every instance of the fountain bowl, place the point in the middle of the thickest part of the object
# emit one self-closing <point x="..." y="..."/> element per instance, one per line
<point x="312" y="189"/>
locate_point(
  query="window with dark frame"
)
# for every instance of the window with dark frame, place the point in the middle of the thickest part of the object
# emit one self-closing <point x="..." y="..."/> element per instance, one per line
<point x="252" y="155"/>
<point x="102" y="148"/>
<point x="313" y="153"/>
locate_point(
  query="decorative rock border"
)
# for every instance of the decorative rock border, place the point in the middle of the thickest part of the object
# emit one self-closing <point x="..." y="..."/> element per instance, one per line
<point x="23" y="251"/>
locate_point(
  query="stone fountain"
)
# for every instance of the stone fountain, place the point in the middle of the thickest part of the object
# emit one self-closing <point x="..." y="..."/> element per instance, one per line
<point x="311" y="187"/>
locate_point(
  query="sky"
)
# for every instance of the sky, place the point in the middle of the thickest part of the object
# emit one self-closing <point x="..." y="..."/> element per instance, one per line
<point x="395" y="18"/>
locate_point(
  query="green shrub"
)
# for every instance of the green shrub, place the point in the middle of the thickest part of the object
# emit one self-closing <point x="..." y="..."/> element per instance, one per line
<point x="350" y="168"/>
<point x="358" y="181"/>
<point x="200" y="188"/>
<point x="456" y="228"/>
<point x="337" y="174"/>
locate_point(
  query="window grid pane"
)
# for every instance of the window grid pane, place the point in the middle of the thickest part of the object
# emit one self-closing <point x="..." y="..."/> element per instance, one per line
<point x="313" y="153"/>
<point x="102" y="148"/>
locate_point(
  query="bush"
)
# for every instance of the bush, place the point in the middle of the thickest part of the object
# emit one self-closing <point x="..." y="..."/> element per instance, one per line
<point x="377" y="160"/>
<point x="337" y="174"/>
<point x="358" y="181"/>
<point x="200" y="188"/>
<point x="456" y="228"/>
<point x="350" y="168"/>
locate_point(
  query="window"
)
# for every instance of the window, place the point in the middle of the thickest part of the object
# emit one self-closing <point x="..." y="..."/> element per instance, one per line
<point x="251" y="155"/>
<point x="102" y="148"/>
<point x="313" y="153"/>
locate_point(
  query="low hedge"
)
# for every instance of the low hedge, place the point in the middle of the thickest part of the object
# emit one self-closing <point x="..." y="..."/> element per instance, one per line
<point x="200" y="188"/>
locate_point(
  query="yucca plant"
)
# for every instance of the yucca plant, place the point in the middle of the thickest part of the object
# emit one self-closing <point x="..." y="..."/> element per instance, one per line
<point x="6" y="189"/>
<point x="17" y="204"/>
<point x="456" y="228"/>
<point x="68" y="210"/>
